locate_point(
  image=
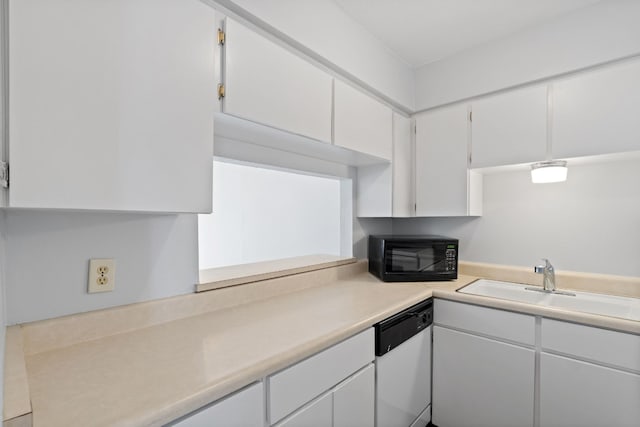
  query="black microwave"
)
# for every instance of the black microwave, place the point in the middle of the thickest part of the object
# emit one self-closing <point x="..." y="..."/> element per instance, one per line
<point x="395" y="258"/>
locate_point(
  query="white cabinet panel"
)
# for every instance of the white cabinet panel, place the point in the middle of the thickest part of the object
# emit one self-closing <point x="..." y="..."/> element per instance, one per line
<point x="361" y="123"/>
<point x="403" y="166"/>
<point x="387" y="190"/>
<point x="597" y="112"/>
<point x="596" y="344"/>
<point x="487" y="321"/>
<point x="403" y="394"/>
<point x="242" y="409"/>
<point x="300" y="383"/>
<point x="510" y="128"/>
<point x="374" y="196"/>
<point x="442" y="180"/>
<point x="266" y="83"/>
<point x="575" y="393"/>
<point x="354" y="400"/>
<point x="481" y="382"/>
<point x="111" y="104"/>
<point x="317" y="414"/>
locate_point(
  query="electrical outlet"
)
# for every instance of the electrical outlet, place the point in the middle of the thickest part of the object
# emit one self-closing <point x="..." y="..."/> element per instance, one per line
<point x="102" y="275"/>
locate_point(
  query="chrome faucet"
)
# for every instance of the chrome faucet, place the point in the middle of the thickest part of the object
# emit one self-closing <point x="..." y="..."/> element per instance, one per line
<point x="549" y="275"/>
<point x="549" y="280"/>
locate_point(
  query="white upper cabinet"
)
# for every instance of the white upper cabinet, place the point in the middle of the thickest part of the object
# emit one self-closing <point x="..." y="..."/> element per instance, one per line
<point x="267" y="84"/>
<point x="111" y="104"/>
<point x="403" y="166"/>
<point x="385" y="190"/>
<point x="510" y="128"/>
<point x="444" y="185"/>
<point x="597" y="112"/>
<point x="361" y="123"/>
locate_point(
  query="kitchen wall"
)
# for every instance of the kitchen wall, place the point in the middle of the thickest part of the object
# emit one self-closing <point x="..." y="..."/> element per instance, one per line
<point x="589" y="223"/>
<point x="47" y="255"/>
<point x="596" y="34"/>
<point x="328" y="33"/>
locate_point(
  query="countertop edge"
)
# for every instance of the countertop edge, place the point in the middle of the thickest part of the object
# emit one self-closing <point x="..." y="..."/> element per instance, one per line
<point x="17" y="400"/>
<point x="272" y="270"/>
<point x="595" y="320"/>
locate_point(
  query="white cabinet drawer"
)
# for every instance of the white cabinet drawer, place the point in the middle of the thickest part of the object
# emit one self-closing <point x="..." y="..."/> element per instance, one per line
<point x="317" y="414"/>
<point x="293" y="387"/>
<point x="242" y="409"/>
<point x="595" y="344"/>
<point x="506" y="325"/>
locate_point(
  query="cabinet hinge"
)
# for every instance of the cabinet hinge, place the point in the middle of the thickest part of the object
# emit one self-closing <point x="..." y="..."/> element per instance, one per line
<point x="4" y="174"/>
<point x="221" y="36"/>
<point x="220" y="91"/>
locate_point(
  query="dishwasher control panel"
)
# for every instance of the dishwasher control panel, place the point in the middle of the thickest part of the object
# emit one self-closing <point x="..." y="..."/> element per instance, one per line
<point x="395" y="330"/>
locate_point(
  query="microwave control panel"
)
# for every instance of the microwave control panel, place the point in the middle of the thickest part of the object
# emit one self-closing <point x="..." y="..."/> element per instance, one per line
<point x="450" y="256"/>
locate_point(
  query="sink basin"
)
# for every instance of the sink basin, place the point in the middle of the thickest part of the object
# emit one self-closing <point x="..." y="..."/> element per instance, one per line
<point x="606" y="305"/>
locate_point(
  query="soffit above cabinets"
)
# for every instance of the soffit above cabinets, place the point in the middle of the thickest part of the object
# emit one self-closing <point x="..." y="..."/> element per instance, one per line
<point x="424" y="31"/>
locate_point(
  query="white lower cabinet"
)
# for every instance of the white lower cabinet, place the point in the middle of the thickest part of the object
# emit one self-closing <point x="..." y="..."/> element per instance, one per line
<point x="354" y="400"/>
<point x="242" y="409"/>
<point x="592" y="380"/>
<point x="317" y="414"/>
<point x="349" y="404"/>
<point x="485" y="373"/>
<point x="577" y="393"/>
<point x="343" y="372"/>
<point x="481" y="382"/>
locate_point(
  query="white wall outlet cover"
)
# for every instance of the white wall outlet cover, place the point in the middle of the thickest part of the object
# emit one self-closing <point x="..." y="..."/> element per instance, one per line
<point x="102" y="275"/>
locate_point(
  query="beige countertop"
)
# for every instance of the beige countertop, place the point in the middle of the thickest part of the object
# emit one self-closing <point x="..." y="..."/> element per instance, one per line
<point x="166" y="364"/>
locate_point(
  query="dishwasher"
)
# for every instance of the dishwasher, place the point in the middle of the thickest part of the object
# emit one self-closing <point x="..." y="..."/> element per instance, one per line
<point x="403" y="367"/>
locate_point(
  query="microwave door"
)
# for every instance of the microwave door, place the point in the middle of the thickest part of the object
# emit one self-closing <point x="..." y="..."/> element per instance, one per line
<point x="404" y="259"/>
<point x="432" y="259"/>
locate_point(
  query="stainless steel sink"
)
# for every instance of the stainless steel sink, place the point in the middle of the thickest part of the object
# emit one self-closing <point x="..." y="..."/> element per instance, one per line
<point x="606" y="305"/>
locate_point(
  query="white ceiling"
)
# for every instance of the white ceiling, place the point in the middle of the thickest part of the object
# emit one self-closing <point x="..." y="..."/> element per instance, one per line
<point x="423" y="31"/>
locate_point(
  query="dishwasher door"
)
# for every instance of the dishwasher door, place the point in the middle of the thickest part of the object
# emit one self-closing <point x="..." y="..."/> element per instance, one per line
<point x="403" y="383"/>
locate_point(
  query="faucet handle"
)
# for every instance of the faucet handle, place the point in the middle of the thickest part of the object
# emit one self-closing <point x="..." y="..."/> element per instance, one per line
<point x="542" y="268"/>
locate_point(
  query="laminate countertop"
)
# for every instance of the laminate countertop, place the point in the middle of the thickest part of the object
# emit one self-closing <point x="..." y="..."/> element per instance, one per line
<point x="150" y="363"/>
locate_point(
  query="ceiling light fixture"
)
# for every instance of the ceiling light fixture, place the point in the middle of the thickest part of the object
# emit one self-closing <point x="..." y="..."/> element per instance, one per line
<point x="549" y="171"/>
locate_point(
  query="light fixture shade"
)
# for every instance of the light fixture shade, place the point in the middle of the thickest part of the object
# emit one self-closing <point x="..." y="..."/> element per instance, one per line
<point x="549" y="171"/>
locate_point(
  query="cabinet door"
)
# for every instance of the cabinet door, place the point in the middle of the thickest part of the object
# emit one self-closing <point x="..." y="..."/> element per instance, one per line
<point x="509" y="128"/>
<point x="597" y="112"/>
<point x="576" y="393"/>
<point x="385" y="190"/>
<point x="481" y="382"/>
<point x="403" y="164"/>
<point x="112" y="104"/>
<point x="354" y="400"/>
<point x="403" y="386"/>
<point x="317" y="414"/>
<point x="298" y="384"/>
<point x="361" y="123"/>
<point x="442" y="180"/>
<point x="267" y="84"/>
<point x="243" y="409"/>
